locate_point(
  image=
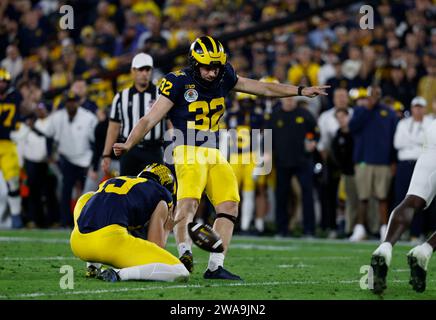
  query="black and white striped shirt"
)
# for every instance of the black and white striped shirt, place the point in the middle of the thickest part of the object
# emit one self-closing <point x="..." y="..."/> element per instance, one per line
<point x="129" y="105"/>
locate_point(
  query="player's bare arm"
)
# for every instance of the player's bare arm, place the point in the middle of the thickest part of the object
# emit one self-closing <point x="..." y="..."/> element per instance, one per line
<point x="111" y="136"/>
<point x="157" y="231"/>
<point x="159" y="109"/>
<point x="276" y="90"/>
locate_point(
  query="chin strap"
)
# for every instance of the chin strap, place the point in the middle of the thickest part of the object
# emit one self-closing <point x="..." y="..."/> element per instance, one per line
<point x="227" y="216"/>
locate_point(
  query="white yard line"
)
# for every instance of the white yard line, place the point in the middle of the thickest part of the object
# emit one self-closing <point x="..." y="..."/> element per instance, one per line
<point x="29" y="239"/>
<point x="38" y="258"/>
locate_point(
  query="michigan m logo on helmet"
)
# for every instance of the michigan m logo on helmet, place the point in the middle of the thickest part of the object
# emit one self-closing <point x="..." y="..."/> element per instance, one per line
<point x="206" y="51"/>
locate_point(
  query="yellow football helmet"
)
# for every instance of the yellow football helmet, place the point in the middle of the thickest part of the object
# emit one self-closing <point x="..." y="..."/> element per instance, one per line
<point x="161" y="174"/>
<point x="5" y="75"/>
<point x="206" y="51"/>
<point x="5" y="80"/>
<point x="358" y="93"/>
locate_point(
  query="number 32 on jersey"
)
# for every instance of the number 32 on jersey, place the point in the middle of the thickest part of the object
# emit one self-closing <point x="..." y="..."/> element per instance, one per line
<point x="208" y="119"/>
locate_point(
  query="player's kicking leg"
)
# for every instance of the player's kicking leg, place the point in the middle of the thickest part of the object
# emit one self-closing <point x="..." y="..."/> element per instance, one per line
<point x="418" y="259"/>
<point x="399" y="222"/>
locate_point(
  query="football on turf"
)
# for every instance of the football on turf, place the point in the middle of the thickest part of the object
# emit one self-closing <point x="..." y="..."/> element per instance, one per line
<point x="205" y="237"/>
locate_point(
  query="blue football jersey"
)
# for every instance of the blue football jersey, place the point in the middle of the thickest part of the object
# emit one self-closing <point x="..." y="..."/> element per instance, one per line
<point x="126" y="201"/>
<point x="197" y="111"/>
<point x="9" y="114"/>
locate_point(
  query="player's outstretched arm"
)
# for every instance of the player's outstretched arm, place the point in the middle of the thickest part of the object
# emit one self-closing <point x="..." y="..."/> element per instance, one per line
<point x="276" y="90"/>
<point x="159" y="109"/>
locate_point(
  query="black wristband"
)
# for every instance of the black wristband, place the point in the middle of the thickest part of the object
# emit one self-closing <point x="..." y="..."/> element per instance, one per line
<point x="106" y="156"/>
<point x="300" y="91"/>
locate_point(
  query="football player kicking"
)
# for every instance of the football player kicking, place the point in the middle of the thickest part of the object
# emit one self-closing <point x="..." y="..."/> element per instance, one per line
<point x="103" y="219"/>
<point x="422" y="190"/>
<point x="194" y="100"/>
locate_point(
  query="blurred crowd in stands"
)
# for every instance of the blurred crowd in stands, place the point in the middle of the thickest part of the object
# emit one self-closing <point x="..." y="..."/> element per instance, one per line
<point x="343" y="183"/>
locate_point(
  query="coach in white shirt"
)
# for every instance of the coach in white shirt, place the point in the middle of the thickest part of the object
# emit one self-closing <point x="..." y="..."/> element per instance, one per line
<point x="329" y="126"/>
<point x="73" y="130"/>
<point x="408" y="140"/>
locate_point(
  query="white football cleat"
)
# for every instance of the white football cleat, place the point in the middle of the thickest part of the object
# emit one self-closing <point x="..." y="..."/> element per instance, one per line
<point x="359" y="233"/>
<point x="380" y="261"/>
<point x="418" y="259"/>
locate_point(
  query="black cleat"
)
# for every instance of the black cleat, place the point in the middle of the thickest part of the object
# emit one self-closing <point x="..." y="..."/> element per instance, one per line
<point x="380" y="271"/>
<point x="221" y="274"/>
<point x="92" y="272"/>
<point x="109" y="275"/>
<point x="188" y="260"/>
<point x="417" y="274"/>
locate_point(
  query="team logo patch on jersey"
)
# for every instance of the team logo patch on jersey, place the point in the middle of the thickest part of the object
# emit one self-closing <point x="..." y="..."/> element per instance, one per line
<point x="191" y="95"/>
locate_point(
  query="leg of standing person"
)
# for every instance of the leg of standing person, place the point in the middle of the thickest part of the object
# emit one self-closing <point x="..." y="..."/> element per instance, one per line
<point x="282" y="194"/>
<point x="68" y="182"/>
<point x="52" y="200"/>
<point x="35" y="182"/>
<point x="304" y="174"/>
<point x="363" y="179"/>
<point x="383" y="178"/>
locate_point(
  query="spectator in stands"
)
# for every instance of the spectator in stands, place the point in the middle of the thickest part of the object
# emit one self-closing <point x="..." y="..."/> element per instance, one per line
<point x="328" y="126"/>
<point x="397" y="86"/>
<point x="79" y="87"/>
<point x="13" y="62"/>
<point x="304" y="67"/>
<point x="30" y="34"/>
<point x="342" y="155"/>
<point x="427" y="84"/>
<point x="373" y="127"/>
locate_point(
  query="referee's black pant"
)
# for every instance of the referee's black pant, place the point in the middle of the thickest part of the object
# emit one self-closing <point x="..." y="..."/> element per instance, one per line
<point x="134" y="161"/>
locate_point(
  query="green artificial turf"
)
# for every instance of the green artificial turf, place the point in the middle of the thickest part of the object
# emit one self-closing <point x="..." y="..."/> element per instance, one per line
<point x="272" y="269"/>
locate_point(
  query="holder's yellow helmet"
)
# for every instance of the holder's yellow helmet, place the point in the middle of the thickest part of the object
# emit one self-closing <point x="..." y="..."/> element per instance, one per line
<point x="161" y="174"/>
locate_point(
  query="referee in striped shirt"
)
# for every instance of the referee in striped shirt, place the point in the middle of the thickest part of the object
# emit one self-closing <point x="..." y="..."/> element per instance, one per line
<point x="128" y="106"/>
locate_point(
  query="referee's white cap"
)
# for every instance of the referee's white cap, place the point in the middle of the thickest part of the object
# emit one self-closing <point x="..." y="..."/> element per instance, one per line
<point x="142" y="60"/>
